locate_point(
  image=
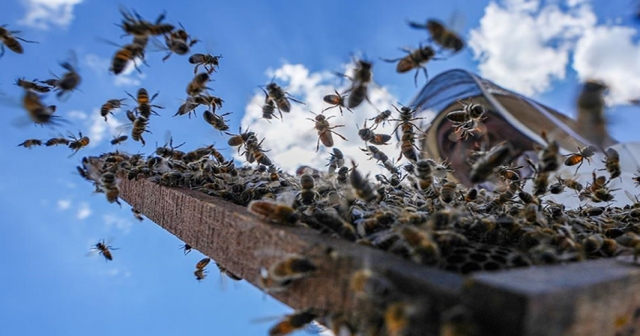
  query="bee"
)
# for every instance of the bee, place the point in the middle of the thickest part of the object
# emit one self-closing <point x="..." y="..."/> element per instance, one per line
<point x="636" y="178"/>
<point x="270" y="285"/>
<point x="254" y="152"/>
<point x="591" y="117"/>
<point x="416" y="59"/>
<point x="198" y="84"/>
<point x="240" y="138"/>
<point x="209" y="62"/>
<point x="549" y="159"/>
<point x="104" y="250"/>
<point x="612" y="163"/>
<point x="30" y="143"/>
<point x="325" y="130"/>
<point x="186" y="248"/>
<point x="448" y="191"/>
<point x="171" y="152"/>
<point x="444" y="37"/>
<point x="144" y="107"/>
<point x="292" y="268"/>
<point x="179" y="42"/>
<point x="362" y="77"/>
<point x="7" y="39"/>
<point x="280" y="97"/>
<point x="109" y="184"/>
<point x="367" y="135"/>
<point x="381" y="118"/>
<point x="371" y="286"/>
<point x="57" y="141"/>
<point x="27" y="85"/>
<point x="78" y="143"/>
<point x="580" y="156"/>
<point x="307" y="194"/>
<point x="364" y="189"/>
<point x="571" y="184"/>
<point x="293" y="322"/>
<point x="336" y="161"/>
<point x="137" y="214"/>
<point x="228" y="273"/>
<point x="273" y="212"/>
<point x="375" y="153"/>
<point x="342" y="175"/>
<point x="422" y="247"/>
<point x="336" y="100"/>
<point x="217" y="121"/>
<point x="134" y="25"/>
<point x="108" y="107"/>
<point x="188" y="107"/>
<point x="139" y="127"/>
<point x="203" y="263"/>
<point x="509" y="173"/>
<point x="119" y="139"/>
<point x="124" y="55"/>
<point x="200" y="274"/>
<point x="38" y="112"/>
<point x="269" y="108"/>
<point x="405" y="122"/>
<point x="482" y="168"/>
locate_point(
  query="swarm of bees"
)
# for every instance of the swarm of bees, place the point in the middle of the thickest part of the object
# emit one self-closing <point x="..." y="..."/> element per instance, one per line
<point x="416" y="211"/>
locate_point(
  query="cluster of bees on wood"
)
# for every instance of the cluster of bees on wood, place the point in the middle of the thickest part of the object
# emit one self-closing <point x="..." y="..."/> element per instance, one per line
<point x="415" y="211"/>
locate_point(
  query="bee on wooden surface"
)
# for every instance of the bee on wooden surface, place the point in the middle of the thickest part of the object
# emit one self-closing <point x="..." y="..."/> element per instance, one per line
<point x="179" y="42"/>
<point x="307" y="195"/>
<point x="448" y="191"/>
<point x="108" y="107"/>
<point x="293" y="322"/>
<point x="364" y="189"/>
<point x="485" y="166"/>
<point x="416" y="59"/>
<point x="30" y="143"/>
<point x="367" y="135"/>
<point x="8" y="39"/>
<point x="336" y="161"/>
<point x="325" y="130"/>
<point x="119" y="139"/>
<point x="280" y="97"/>
<point x="38" y="112"/>
<point x="137" y="214"/>
<point x="109" y="185"/>
<point x="203" y="263"/>
<point x="398" y="318"/>
<point x="144" y="107"/>
<point x="240" y="138"/>
<point x="200" y="274"/>
<point x="273" y="212"/>
<point x="208" y="62"/>
<point x="612" y="163"/>
<point x="57" y="141"/>
<point x="28" y="85"/>
<point x="170" y="152"/>
<point x="78" y="143"/>
<point x="440" y="34"/>
<point x="423" y="248"/>
<point x="336" y="100"/>
<point x="186" y="248"/>
<point x="198" y="84"/>
<point x="329" y="220"/>
<point x="292" y="268"/>
<point x="254" y="152"/>
<point x="580" y="156"/>
<point x="104" y="250"/>
<point x="381" y="118"/>
<point x="139" y="127"/>
<point x="343" y="175"/>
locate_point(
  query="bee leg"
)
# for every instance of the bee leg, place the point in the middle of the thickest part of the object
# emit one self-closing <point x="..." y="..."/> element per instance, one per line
<point x="318" y="143"/>
<point x="390" y="60"/>
<point x="340" y="135"/>
<point x="1" y="50"/>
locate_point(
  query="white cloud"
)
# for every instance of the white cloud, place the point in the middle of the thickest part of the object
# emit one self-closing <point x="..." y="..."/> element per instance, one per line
<point x="77" y="115"/>
<point x="128" y="77"/>
<point x="83" y="211"/>
<point x="610" y="54"/>
<point x="99" y="129"/>
<point x="525" y="46"/>
<point x="43" y="14"/>
<point x="119" y="223"/>
<point x="63" y="204"/>
<point x="292" y="142"/>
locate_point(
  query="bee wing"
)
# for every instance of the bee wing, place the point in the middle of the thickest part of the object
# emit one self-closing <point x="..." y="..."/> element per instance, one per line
<point x="124" y="128"/>
<point x="91" y="253"/>
<point x="631" y="197"/>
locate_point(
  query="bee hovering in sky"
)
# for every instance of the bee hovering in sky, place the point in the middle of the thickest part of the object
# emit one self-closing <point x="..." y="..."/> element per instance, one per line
<point x="381" y="118"/>
<point x="269" y="108"/>
<point x="133" y="24"/>
<point x="362" y="77"/>
<point x="186" y="248"/>
<point x="70" y="79"/>
<point x="124" y="55"/>
<point x="38" y="112"/>
<point x="580" y="156"/>
<point x="444" y="37"/>
<point x="144" y="107"/>
<point x="137" y="214"/>
<point x="280" y="97"/>
<point x="367" y="135"/>
<point x="336" y="100"/>
<point x="325" y="130"/>
<point x="30" y="143"/>
<point x="179" y="42"/>
<point x="8" y="39"/>
<point x="57" y="141"/>
<point x="77" y="143"/>
<point x="273" y="212"/>
<point x="103" y="249"/>
<point x="208" y="61"/>
<point x="198" y="84"/>
<point x="612" y="163"/>
<point x="416" y="59"/>
<point x="217" y="121"/>
<point x="32" y="85"/>
<point x="293" y="322"/>
<point x="108" y="107"/>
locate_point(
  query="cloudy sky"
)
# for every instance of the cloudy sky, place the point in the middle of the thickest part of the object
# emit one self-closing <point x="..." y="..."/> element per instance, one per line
<point x="541" y="49"/>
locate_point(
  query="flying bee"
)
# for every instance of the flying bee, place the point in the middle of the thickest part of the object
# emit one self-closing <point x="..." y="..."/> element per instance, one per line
<point x="336" y="161"/>
<point x="179" y="42"/>
<point x="509" y="173"/>
<point x="371" y="286"/>
<point x="70" y="79"/>
<point x="77" y="143"/>
<point x="292" y="268"/>
<point x="636" y="178"/>
<point x="144" y="107"/>
<point x="239" y="139"/>
<point x="293" y="322"/>
<point x="137" y="214"/>
<point x="364" y="189"/>
<point x="548" y="155"/>
<point x="254" y="152"/>
<point x="28" y="85"/>
<point x="188" y="107"/>
<point x="200" y="274"/>
<point x="375" y="153"/>
<point x="416" y="59"/>
<point x="280" y="97"/>
<point x="362" y="77"/>
<point x="38" y="112"/>
<point x="446" y="38"/>
<point x="133" y="24"/>
<point x="30" y="143"/>
<point x="405" y="122"/>
<point x="139" y="127"/>
<point x="325" y="130"/>
<point x="269" y="108"/>
<point x="198" y="84"/>
<point x="336" y="100"/>
<point x="119" y="139"/>
<point x="580" y="156"/>
<point x="217" y="121"/>
<point x="482" y="168"/>
<point x="270" y="285"/>
<point x="186" y="248"/>
<point x="8" y="39"/>
<point x="108" y="107"/>
<point x="124" y="55"/>
<point x="612" y="163"/>
<point x="57" y="141"/>
<point x="367" y="135"/>
<point x="104" y="250"/>
<point x="209" y="62"/>
<point x="203" y="263"/>
<point x="273" y="212"/>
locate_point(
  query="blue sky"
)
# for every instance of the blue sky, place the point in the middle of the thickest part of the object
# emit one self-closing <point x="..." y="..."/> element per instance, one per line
<point x="51" y="217"/>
